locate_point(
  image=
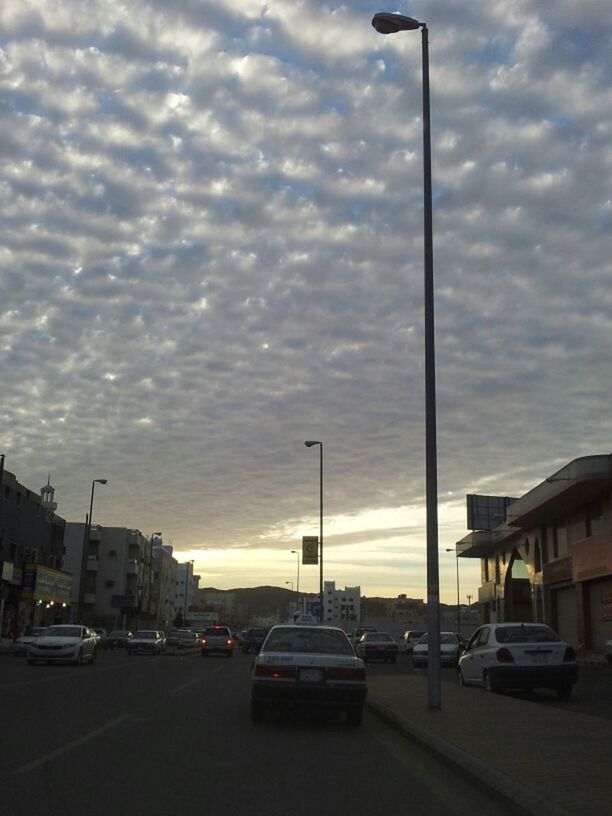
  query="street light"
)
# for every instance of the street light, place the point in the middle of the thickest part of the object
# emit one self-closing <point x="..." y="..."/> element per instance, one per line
<point x="298" y="553"/>
<point x="452" y="549"/>
<point x="310" y="444"/>
<point x="386" y="23"/>
<point x="86" y="535"/>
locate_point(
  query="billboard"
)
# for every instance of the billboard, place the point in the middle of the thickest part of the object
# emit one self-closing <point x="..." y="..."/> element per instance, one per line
<point x="486" y="512"/>
<point x="310" y="549"/>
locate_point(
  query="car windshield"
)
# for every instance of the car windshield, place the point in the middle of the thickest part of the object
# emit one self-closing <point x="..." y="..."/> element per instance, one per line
<point x="63" y="631"/>
<point x="34" y="631"/>
<point x="378" y="637"/>
<point x="119" y="634"/>
<point x="445" y="638"/>
<point x="319" y="641"/>
<point x="526" y="634"/>
<point x="146" y="635"/>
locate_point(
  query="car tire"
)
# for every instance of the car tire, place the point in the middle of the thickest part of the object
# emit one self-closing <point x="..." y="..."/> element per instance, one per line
<point x="93" y="656"/>
<point x="79" y="658"/>
<point x="258" y="711"/>
<point x="460" y="678"/>
<point x="204" y="654"/>
<point x="564" y="691"/>
<point x="354" y="715"/>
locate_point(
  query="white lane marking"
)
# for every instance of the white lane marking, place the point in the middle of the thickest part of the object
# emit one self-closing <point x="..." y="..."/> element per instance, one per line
<point x="36" y="763"/>
<point x="185" y="685"/>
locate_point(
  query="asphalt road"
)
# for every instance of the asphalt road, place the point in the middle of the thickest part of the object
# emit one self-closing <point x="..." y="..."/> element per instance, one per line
<point x="160" y="736"/>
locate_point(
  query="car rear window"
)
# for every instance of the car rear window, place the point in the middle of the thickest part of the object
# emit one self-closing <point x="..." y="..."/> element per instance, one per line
<point x="376" y="637"/>
<point x="257" y="632"/>
<point x="526" y="634"/>
<point x="222" y="631"/>
<point x="315" y="641"/>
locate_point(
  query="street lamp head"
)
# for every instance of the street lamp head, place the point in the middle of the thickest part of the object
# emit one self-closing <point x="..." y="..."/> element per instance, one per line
<point x="101" y="481"/>
<point x="386" y="23"/>
<point x="311" y="442"/>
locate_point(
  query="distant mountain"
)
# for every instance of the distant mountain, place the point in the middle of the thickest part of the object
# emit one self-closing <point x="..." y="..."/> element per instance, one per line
<point x="254" y="602"/>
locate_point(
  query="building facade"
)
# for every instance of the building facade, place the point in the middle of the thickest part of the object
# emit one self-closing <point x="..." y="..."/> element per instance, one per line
<point x="33" y="588"/>
<point x="342" y="607"/>
<point x="550" y="558"/>
<point x="186" y="588"/>
<point x="163" y="587"/>
<point x="113" y="584"/>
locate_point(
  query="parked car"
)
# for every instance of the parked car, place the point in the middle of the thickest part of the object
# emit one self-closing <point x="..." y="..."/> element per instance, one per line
<point x="311" y="666"/>
<point x="172" y="639"/>
<point x="450" y="649"/>
<point x="64" y="643"/>
<point x="146" y="641"/>
<point x="253" y="640"/>
<point x="119" y="638"/>
<point x="377" y="646"/>
<point x="217" y="639"/>
<point x="20" y="644"/>
<point x="409" y="638"/>
<point x="502" y="656"/>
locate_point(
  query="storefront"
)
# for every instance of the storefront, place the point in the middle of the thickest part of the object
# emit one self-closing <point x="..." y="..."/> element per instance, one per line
<point x="45" y="596"/>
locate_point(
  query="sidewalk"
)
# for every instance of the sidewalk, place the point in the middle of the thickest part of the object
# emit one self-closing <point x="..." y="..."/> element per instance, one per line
<point x="6" y="646"/>
<point x="545" y="760"/>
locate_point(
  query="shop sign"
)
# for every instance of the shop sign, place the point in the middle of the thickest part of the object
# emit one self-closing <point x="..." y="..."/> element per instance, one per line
<point x="557" y="571"/>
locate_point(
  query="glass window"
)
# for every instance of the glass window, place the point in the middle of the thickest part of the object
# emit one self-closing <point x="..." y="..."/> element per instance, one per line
<point x="484" y="636"/>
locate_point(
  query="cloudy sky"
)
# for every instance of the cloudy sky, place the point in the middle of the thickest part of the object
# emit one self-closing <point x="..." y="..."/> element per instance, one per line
<point x="211" y="251"/>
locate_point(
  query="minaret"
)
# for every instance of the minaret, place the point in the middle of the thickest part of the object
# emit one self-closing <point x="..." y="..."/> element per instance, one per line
<point x="46" y="495"/>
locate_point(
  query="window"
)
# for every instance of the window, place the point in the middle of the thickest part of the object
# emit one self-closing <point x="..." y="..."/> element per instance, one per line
<point x="593" y="519"/>
<point x="110" y="583"/>
<point x="112" y="553"/>
<point x="484" y="636"/>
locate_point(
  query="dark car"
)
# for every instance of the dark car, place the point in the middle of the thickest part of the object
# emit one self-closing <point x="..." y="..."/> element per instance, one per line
<point x="377" y="646"/>
<point x="253" y="640"/>
<point x="119" y="638"/>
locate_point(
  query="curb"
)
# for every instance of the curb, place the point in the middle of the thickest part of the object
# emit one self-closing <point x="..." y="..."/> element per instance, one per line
<point x="524" y="802"/>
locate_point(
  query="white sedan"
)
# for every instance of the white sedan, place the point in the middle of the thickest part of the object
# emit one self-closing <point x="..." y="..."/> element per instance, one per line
<point x="308" y="666"/>
<point x="450" y="649"/>
<point x="502" y="656"/>
<point x="64" y="643"/>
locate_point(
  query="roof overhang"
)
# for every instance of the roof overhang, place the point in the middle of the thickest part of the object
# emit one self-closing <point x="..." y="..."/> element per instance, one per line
<point x="579" y="483"/>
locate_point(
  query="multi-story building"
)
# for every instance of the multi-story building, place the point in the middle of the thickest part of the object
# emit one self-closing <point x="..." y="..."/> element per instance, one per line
<point x="186" y="588"/>
<point x="163" y="587"/>
<point x="341" y="605"/>
<point x="549" y="557"/>
<point x="223" y="603"/>
<point x="113" y="585"/>
<point x="33" y="588"/>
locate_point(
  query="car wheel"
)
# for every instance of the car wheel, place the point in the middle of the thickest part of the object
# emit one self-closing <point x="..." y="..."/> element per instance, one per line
<point x="79" y="658"/>
<point x="93" y="656"/>
<point x="204" y="654"/>
<point x="564" y="691"/>
<point x="354" y="715"/>
<point x="460" y="677"/>
<point x="258" y="711"/>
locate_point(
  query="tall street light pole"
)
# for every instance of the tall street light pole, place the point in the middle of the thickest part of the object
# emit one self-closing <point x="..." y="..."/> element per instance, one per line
<point x="86" y="535"/>
<point x="310" y="444"/>
<point x="298" y="553"/>
<point x="386" y="23"/>
<point x="447" y="549"/>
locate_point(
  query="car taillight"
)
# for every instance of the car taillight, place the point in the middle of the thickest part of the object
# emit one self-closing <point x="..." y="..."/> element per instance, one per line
<point x="569" y="656"/>
<point x="275" y="672"/>
<point x="229" y="642"/>
<point x="204" y="641"/>
<point x="504" y="656"/>
<point x="346" y="674"/>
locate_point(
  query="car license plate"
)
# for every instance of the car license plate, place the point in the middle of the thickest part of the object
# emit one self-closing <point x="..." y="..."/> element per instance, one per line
<point x="311" y="675"/>
<point x="540" y="658"/>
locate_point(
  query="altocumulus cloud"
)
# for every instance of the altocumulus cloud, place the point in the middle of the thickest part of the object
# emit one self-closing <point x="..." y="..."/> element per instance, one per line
<point x="212" y="250"/>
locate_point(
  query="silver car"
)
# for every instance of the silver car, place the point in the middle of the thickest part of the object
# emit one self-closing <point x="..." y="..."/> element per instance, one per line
<point x="20" y="645"/>
<point x="64" y="643"/>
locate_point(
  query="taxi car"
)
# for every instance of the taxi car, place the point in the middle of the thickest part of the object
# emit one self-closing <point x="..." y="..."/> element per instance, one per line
<point x="502" y="656"/>
<point x="64" y="643"/>
<point x="308" y="665"/>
